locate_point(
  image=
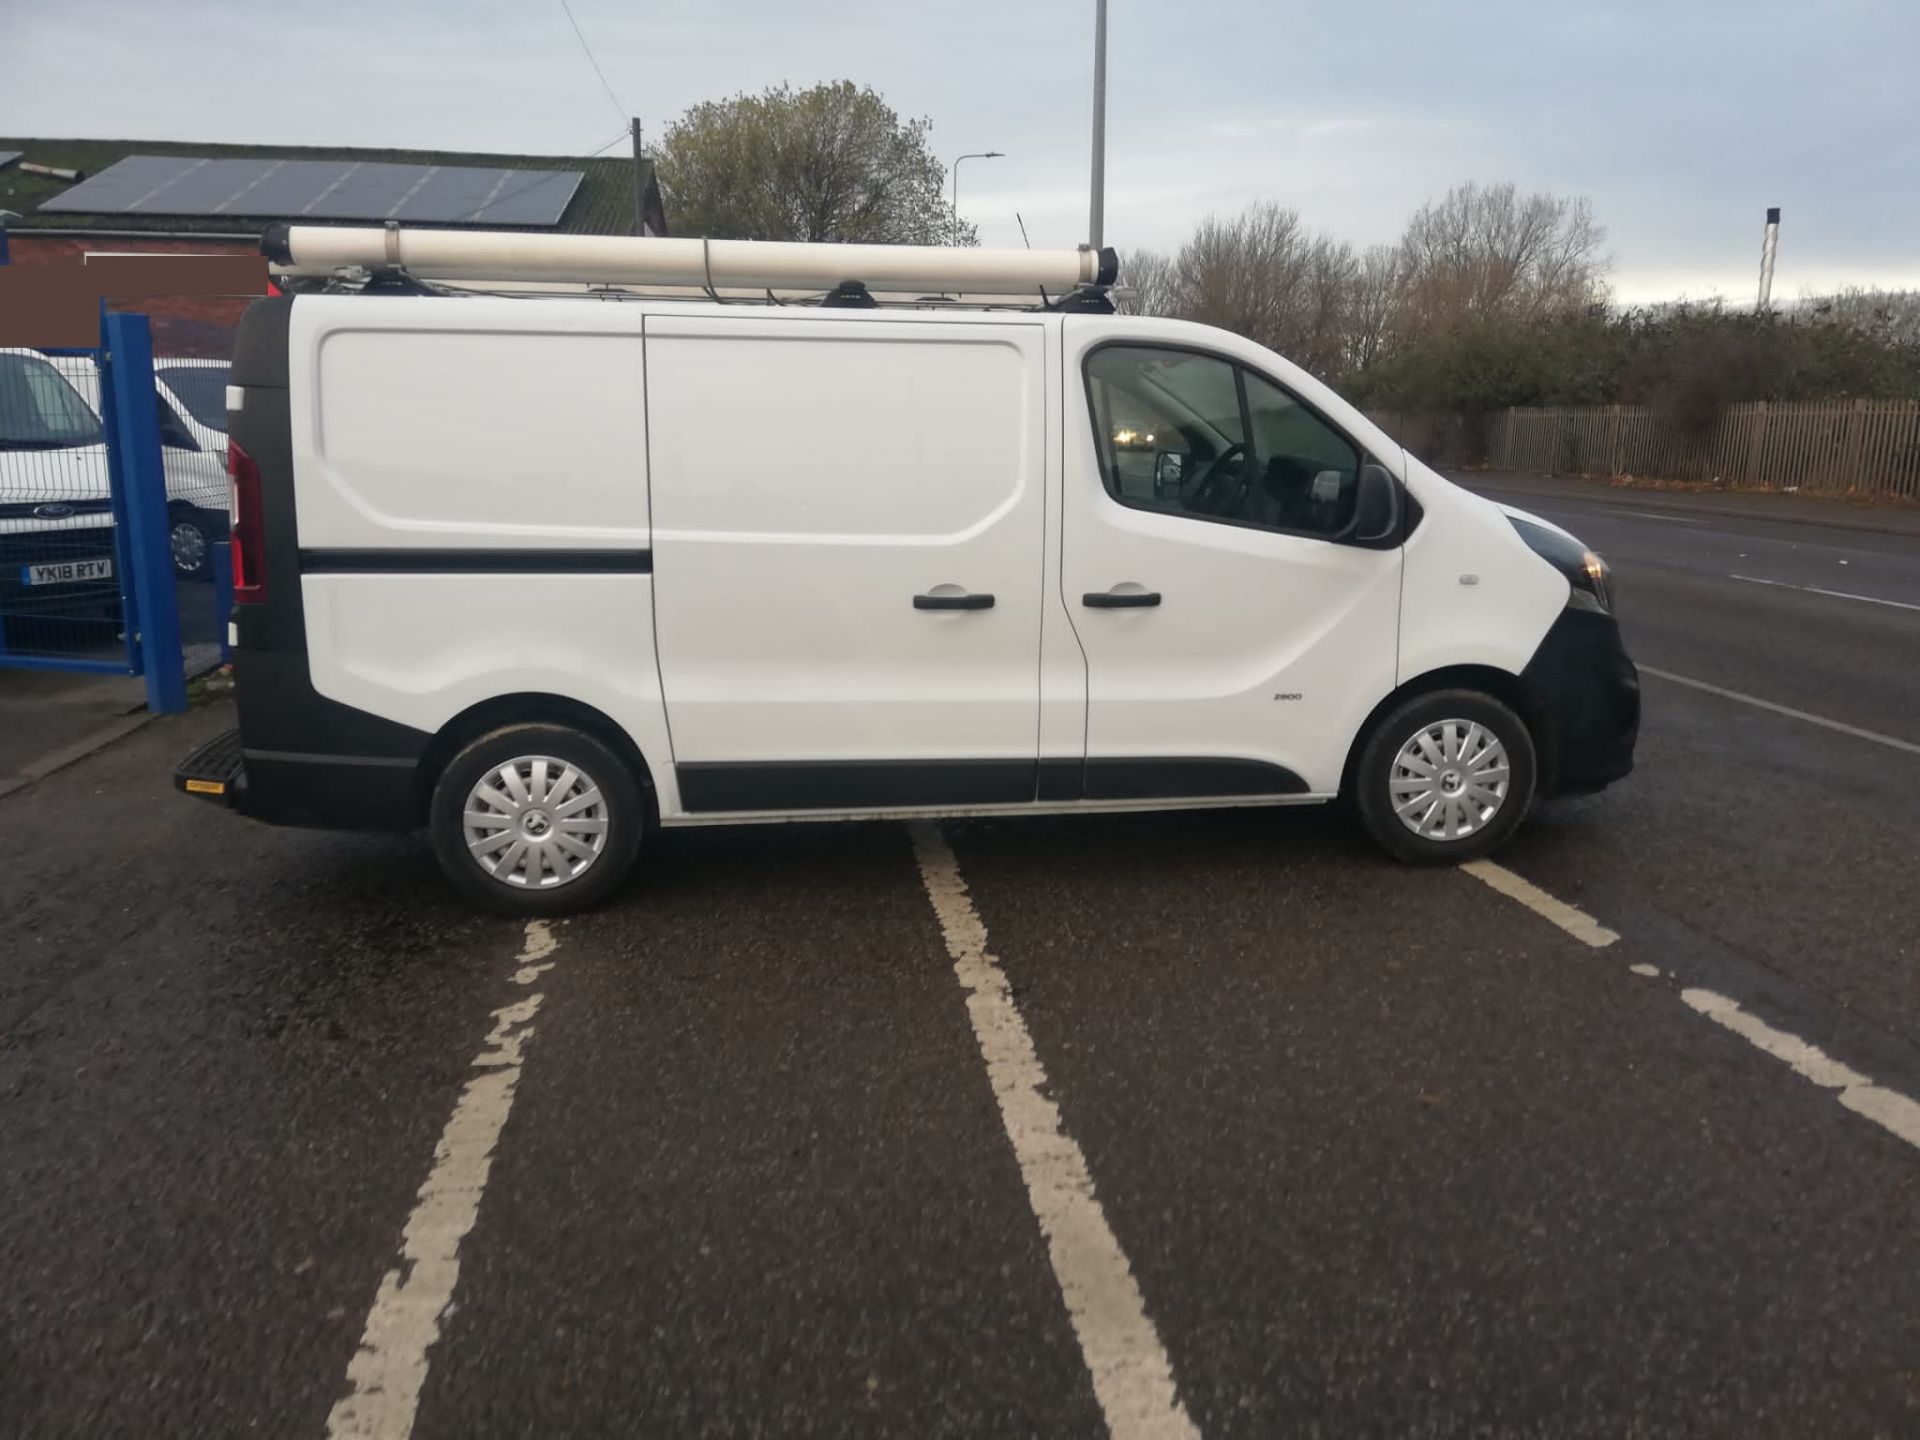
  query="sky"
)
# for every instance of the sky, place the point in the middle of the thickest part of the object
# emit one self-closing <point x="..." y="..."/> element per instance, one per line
<point x="1680" y="121"/>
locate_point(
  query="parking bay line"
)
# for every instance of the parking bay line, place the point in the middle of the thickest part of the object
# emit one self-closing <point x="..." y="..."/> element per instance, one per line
<point x="1132" y="1376"/>
<point x="1575" y="921"/>
<point x="1754" y="700"/>
<point x="387" y="1371"/>
<point x="1894" y="1112"/>
<point x="1821" y="590"/>
<point x="1888" y="1109"/>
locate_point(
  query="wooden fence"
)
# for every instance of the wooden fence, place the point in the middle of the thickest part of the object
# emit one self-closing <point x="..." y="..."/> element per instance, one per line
<point x="1861" y="446"/>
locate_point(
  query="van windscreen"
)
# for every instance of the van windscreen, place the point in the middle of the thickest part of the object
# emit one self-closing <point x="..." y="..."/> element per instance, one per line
<point x="39" y="410"/>
<point x="200" y="389"/>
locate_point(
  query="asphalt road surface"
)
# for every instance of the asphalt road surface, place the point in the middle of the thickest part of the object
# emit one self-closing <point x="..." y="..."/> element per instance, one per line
<point x="1166" y="1125"/>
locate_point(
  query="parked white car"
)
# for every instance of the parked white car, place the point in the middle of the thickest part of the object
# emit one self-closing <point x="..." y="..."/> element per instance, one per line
<point x="56" y="518"/>
<point x="191" y="395"/>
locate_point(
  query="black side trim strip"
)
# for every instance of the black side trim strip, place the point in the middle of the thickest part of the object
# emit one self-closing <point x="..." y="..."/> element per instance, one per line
<point x="302" y="757"/>
<point x="878" y="784"/>
<point x="1062" y="779"/>
<point x="1177" y="778"/>
<point x="853" y="784"/>
<point x="475" y="562"/>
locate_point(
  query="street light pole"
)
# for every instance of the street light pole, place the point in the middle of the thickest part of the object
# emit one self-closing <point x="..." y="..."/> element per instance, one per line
<point x="974" y="155"/>
<point x="1096" y="220"/>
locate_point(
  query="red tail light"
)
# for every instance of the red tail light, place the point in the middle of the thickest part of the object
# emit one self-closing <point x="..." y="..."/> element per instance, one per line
<point x="249" y="536"/>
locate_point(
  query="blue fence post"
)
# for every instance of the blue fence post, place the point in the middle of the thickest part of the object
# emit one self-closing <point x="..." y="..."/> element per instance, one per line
<point x="128" y="339"/>
<point x="123" y="565"/>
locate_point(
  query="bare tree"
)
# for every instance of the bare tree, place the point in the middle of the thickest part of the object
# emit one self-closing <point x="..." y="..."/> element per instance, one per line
<point x="1491" y="251"/>
<point x="1379" y="288"/>
<point x="1242" y="274"/>
<point x="1322" y="326"/>
<point x="1148" y="277"/>
<point x="1263" y="274"/>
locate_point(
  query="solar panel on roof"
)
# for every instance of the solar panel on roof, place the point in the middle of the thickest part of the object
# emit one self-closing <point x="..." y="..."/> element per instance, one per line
<point x="530" y="196"/>
<point x="322" y="190"/>
<point x="116" y="189"/>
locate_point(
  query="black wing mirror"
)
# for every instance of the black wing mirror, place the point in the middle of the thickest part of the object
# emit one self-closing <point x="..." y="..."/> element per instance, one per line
<point x="1376" y="514"/>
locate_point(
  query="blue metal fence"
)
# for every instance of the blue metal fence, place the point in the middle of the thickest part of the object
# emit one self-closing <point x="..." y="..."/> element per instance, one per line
<point x="102" y="568"/>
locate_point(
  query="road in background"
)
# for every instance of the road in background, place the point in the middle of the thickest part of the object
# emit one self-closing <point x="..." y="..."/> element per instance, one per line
<point x="1769" y="853"/>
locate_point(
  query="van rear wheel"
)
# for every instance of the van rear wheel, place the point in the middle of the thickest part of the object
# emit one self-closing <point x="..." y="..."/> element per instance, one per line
<point x="1445" y="777"/>
<point x="537" y="820"/>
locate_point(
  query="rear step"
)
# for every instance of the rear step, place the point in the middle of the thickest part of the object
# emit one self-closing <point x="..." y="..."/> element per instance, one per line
<point x="216" y="771"/>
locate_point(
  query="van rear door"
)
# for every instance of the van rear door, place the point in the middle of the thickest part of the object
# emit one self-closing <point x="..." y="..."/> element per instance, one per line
<point x="848" y="519"/>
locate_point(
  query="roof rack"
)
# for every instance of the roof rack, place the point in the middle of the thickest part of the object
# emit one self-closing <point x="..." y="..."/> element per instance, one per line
<point x="749" y="271"/>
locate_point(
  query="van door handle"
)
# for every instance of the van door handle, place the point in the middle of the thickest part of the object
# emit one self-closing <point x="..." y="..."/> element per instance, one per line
<point x="953" y="602"/>
<point x="1119" y="599"/>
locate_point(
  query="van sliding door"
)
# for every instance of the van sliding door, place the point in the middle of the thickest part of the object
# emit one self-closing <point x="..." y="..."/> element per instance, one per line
<point x="847" y="532"/>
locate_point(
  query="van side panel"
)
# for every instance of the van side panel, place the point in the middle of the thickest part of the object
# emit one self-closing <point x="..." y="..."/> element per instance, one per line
<point x="424" y="423"/>
<point x="1474" y="594"/>
<point x="467" y="638"/>
<point x="471" y="504"/>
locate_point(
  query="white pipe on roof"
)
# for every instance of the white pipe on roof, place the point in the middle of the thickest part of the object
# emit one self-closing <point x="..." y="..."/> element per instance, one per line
<point x="648" y="260"/>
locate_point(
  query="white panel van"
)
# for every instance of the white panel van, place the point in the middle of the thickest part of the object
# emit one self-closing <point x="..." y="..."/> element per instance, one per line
<point x="543" y="574"/>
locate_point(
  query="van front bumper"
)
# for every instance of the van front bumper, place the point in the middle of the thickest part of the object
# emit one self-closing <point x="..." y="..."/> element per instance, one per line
<point x="326" y="792"/>
<point x="1591" y="692"/>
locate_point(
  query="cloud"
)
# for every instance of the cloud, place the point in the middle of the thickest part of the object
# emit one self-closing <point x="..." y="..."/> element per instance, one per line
<point x="1329" y="129"/>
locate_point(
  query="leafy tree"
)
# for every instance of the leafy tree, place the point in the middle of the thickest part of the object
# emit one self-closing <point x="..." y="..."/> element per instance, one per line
<point x="833" y="162"/>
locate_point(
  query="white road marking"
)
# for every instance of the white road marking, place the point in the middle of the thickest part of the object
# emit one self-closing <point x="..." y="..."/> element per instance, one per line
<point x="1818" y="590"/>
<point x="1854" y="730"/>
<point x="1132" y="1376"/>
<point x="1896" y="1113"/>
<point x="1576" y="922"/>
<point x="1888" y="1109"/>
<point x="390" y="1366"/>
<point x="1671" y="519"/>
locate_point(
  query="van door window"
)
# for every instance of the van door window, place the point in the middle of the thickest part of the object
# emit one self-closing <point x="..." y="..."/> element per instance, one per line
<point x="1169" y="429"/>
<point x="1308" y="472"/>
<point x="1193" y="434"/>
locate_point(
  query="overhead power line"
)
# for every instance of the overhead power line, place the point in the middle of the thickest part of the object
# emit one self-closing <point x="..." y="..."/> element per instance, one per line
<point x="579" y="34"/>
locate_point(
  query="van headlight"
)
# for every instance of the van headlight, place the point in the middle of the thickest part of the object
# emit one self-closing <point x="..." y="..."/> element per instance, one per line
<point x="1586" y="572"/>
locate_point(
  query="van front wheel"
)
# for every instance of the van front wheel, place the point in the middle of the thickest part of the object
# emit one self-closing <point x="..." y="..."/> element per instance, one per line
<point x="537" y="820"/>
<point x="1446" y="777"/>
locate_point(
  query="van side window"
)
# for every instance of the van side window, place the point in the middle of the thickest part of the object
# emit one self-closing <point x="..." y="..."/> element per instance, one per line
<point x="1192" y="434"/>
<point x="1308" y="472"/>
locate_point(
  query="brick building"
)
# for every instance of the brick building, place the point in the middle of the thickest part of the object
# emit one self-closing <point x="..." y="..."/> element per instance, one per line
<point x="603" y="203"/>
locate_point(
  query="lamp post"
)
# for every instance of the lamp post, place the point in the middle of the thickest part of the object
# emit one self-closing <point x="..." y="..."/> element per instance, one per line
<point x="973" y="155"/>
<point x="1097" y="220"/>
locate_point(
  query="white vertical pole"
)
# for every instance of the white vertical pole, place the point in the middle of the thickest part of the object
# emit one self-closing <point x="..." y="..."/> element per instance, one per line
<point x="1768" y="248"/>
<point x="1096" y="222"/>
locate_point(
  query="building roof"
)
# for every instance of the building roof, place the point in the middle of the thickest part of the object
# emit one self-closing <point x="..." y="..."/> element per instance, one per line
<point x="603" y="205"/>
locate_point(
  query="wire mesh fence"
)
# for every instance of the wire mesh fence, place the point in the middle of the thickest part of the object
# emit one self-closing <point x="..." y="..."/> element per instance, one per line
<point x="77" y="592"/>
<point x="192" y="354"/>
<point x="1868" y="447"/>
<point x="1861" y="447"/>
<point x="61" y="570"/>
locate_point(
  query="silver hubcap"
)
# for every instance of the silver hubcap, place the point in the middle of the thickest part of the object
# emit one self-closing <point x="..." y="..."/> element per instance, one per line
<point x="1450" y="780"/>
<point x="536" y="822"/>
<point x="189" y="545"/>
